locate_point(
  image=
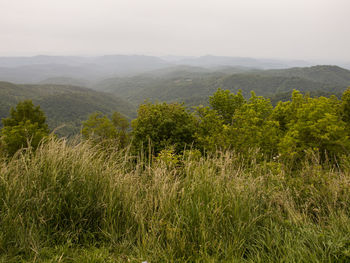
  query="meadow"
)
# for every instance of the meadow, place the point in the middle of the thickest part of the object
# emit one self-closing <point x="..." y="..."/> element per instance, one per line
<point x="76" y="202"/>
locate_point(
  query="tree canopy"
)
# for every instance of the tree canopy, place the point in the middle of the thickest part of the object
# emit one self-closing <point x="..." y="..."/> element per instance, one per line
<point x="25" y="127"/>
<point x="163" y="125"/>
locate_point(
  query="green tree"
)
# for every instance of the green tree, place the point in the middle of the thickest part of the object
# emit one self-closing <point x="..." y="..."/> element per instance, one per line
<point x="314" y="124"/>
<point x="345" y="106"/>
<point x="235" y="123"/>
<point x="226" y="103"/>
<point x="25" y="127"/>
<point x="163" y="125"/>
<point x="209" y="129"/>
<point x="252" y="127"/>
<point x="100" y="128"/>
<point x="285" y="112"/>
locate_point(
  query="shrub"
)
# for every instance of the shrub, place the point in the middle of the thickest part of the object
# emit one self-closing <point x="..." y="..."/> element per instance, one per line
<point x="163" y="125"/>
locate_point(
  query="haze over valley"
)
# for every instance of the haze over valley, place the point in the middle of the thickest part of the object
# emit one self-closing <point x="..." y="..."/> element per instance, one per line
<point x="132" y="51"/>
<point x="69" y="88"/>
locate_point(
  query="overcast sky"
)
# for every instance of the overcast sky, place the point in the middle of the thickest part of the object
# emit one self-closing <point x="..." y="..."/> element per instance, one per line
<point x="300" y="29"/>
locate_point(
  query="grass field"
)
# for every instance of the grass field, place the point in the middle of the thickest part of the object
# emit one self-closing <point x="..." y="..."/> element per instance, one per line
<point x="72" y="202"/>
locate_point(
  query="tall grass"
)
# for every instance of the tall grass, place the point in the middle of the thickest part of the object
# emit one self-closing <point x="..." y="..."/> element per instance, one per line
<point x="75" y="203"/>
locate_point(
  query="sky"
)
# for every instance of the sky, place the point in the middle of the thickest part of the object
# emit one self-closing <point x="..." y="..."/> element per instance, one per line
<point x="291" y="29"/>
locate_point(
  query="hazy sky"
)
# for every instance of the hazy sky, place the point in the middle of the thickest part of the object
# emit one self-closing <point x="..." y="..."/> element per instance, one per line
<point x="302" y="29"/>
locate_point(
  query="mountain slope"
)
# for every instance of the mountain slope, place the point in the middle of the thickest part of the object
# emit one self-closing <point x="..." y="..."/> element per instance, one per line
<point x="326" y="74"/>
<point x="198" y="86"/>
<point x="68" y="105"/>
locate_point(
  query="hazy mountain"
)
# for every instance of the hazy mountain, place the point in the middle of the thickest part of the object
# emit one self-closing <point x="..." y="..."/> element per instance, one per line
<point x="191" y="86"/>
<point x="326" y="74"/>
<point x="65" y="81"/>
<point x="215" y="61"/>
<point x="36" y="73"/>
<point x="91" y="69"/>
<point x="66" y="105"/>
<point x="37" y="69"/>
<point x="14" y="62"/>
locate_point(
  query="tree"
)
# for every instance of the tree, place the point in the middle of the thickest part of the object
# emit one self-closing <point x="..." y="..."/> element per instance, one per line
<point x="345" y="106"/>
<point x="101" y="129"/>
<point x="314" y="124"/>
<point x="25" y="127"/>
<point x="252" y="127"/>
<point x="209" y="129"/>
<point x="235" y="123"/>
<point x="163" y="125"/>
<point x="226" y="103"/>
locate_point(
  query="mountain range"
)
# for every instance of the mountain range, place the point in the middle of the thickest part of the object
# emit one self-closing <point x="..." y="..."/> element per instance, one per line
<point x="39" y="68"/>
<point x="68" y="89"/>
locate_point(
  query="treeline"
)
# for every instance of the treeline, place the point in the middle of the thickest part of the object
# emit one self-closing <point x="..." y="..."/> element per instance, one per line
<point x="284" y="132"/>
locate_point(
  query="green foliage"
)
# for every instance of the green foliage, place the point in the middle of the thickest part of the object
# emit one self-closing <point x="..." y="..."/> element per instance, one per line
<point x="235" y="123"/>
<point x="65" y="106"/>
<point x="345" y="106"/>
<point x="168" y="157"/>
<point x="288" y="131"/>
<point x="226" y="103"/>
<point x="102" y="130"/>
<point x="253" y="128"/>
<point x="312" y="123"/>
<point x="209" y="129"/>
<point x="163" y="125"/>
<point x="25" y="127"/>
<point x="25" y="111"/>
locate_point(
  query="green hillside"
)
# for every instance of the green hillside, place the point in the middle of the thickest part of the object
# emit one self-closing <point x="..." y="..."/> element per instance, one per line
<point x="65" y="81"/>
<point x="326" y="74"/>
<point x="192" y="85"/>
<point x="67" y="105"/>
<point x="268" y="85"/>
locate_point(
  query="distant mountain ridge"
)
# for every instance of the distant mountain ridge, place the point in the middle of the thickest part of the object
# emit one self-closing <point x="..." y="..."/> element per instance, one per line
<point x="215" y="61"/>
<point x="70" y="104"/>
<point x="192" y="83"/>
<point x="91" y="69"/>
<point x="37" y="69"/>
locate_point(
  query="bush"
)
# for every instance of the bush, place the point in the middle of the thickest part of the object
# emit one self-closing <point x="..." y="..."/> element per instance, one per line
<point x="163" y="125"/>
<point x="102" y="130"/>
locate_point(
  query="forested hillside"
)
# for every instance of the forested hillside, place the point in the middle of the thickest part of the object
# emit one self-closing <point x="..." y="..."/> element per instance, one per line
<point x="68" y="105"/>
<point x="192" y="85"/>
<point x="325" y="74"/>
